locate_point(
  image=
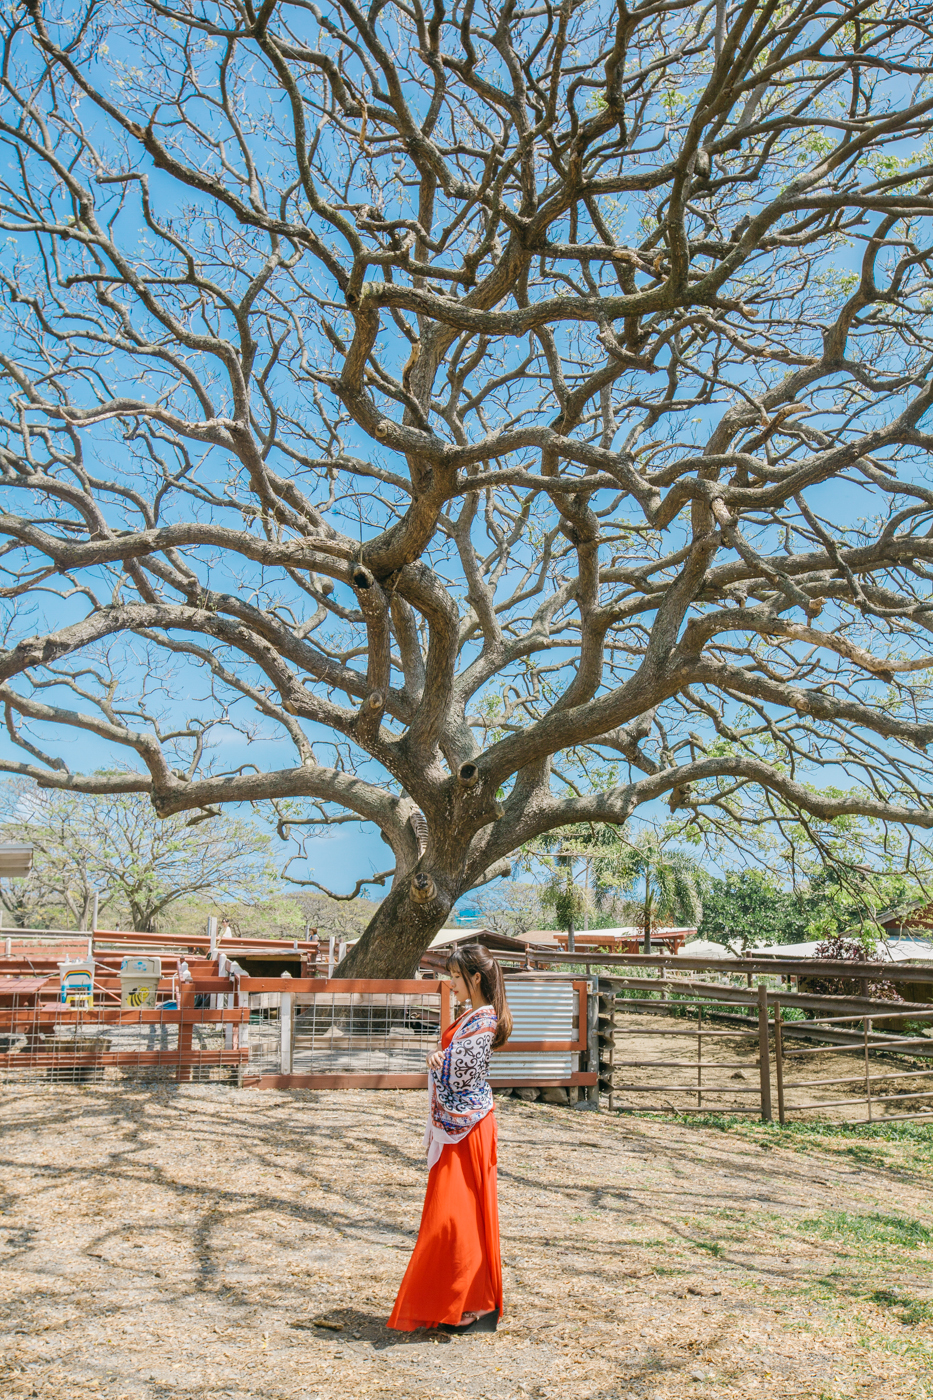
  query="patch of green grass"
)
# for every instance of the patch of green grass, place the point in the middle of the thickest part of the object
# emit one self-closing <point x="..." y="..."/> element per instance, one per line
<point x="911" y="1310"/>
<point x="889" y="1146"/>
<point x="868" y="1156"/>
<point x="868" y="1229"/>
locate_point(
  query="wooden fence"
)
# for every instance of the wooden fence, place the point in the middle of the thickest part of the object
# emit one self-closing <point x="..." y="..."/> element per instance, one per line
<point x="264" y="1032"/>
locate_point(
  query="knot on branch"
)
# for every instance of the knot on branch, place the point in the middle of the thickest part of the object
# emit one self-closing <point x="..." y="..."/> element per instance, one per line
<point x="680" y="796"/>
<point x="376" y="700"/>
<point x="423" y="889"/>
<point x="468" y="774"/>
<point x="382" y="429"/>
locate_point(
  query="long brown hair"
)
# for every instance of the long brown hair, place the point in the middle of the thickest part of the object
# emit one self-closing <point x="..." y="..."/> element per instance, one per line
<point x="471" y="959"/>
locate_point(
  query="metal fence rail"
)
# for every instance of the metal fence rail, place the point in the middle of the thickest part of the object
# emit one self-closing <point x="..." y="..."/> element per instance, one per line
<point x="868" y="1079"/>
<point x="888" y="1076"/>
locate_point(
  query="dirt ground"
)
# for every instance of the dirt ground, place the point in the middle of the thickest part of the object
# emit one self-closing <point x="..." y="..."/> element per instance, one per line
<point x="182" y="1242"/>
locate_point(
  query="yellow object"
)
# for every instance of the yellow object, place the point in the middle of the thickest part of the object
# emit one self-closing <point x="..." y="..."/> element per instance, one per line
<point x="77" y="984"/>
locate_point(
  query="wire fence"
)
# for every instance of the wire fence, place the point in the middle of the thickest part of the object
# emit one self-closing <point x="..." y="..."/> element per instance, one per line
<point x="44" y="1039"/>
<point x="83" y="1025"/>
<point x="347" y="1033"/>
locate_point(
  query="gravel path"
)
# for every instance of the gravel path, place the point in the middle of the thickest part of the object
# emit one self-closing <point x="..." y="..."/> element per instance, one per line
<point x="181" y="1242"/>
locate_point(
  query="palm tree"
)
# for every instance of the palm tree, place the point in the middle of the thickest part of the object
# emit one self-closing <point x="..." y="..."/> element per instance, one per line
<point x="563" y="895"/>
<point x="659" y="886"/>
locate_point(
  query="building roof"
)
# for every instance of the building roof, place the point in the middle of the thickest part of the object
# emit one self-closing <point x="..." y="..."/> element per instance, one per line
<point x="541" y="937"/>
<point x="449" y="937"/>
<point x="889" y="950"/>
<point x="590" y="937"/>
<point x="918" y="912"/>
<point x="705" y="948"/>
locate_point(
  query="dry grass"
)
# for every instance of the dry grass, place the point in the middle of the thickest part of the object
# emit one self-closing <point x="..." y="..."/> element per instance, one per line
<point x="180" y="1242"/>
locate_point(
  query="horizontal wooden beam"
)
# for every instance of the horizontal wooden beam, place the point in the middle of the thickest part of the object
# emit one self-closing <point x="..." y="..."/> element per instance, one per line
<point x="397" y="1081"/>
<point x="716" y="991"/>
<point x="325" y="986"/>
<point x="774" y="966"/>
<point x="53" y="1059"/>
<point x="335" y="1081"/>
<point x="45" y="1018"/>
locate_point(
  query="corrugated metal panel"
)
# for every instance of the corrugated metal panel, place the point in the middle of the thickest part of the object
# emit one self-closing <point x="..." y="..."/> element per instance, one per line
<point x="540" y="1011"/>
<point x="530" y="1067"/>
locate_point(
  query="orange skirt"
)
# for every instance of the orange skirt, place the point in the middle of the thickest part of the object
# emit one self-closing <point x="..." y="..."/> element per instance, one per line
<point x="455" y="1266"/>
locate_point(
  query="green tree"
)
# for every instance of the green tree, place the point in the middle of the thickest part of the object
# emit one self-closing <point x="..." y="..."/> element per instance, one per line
<point x="571" y="856"/>
<point x="116" y="845"/>
<point x="742" y="908"/>
<point x="565" y="897"/>
<point x="746" y="907"/>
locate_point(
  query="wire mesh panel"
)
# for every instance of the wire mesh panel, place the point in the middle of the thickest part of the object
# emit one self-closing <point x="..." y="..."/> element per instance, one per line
<point x="343" y="1032"/>
<point x="48" y="1034"/>
<point x="366" y="1033"/>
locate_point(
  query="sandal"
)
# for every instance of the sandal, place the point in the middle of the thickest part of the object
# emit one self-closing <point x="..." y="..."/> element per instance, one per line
<point x="486" y="1322"/>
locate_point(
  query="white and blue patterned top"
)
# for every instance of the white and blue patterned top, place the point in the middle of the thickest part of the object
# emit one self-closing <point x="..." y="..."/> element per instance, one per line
<point x="460" y="1095"/>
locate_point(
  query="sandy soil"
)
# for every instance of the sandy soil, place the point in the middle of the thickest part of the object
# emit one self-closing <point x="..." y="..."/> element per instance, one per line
<point x="181" y="1242"/>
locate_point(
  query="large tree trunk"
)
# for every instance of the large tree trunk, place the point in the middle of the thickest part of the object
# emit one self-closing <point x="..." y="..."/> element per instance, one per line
<point x="397" y="934"/>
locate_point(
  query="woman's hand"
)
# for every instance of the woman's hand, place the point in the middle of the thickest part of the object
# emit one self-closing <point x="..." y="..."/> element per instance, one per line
<point x="436" y="1059"/>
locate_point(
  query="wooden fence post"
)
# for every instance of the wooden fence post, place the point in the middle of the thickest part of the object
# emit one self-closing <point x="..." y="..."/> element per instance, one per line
<point x="779" y="1059"/>
<point x="185" y="1031"/>
<point x="592" y="1039"/>
<point x="286" y="1006"/>
<point x="764" y="1053"/>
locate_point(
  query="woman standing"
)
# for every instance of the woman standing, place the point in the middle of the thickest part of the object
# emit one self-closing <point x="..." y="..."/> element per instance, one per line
<point x="454" y="1277"/>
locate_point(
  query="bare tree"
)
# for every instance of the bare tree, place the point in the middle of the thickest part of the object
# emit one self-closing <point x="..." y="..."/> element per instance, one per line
<point x="462" y="397"/>
<point x="115" y="846"/>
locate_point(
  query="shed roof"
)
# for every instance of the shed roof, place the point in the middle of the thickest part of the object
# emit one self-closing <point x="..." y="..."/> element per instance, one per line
<point x="705" y="948"/>
<point x="448" y="937"/>
<point x="889" y="950"/>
